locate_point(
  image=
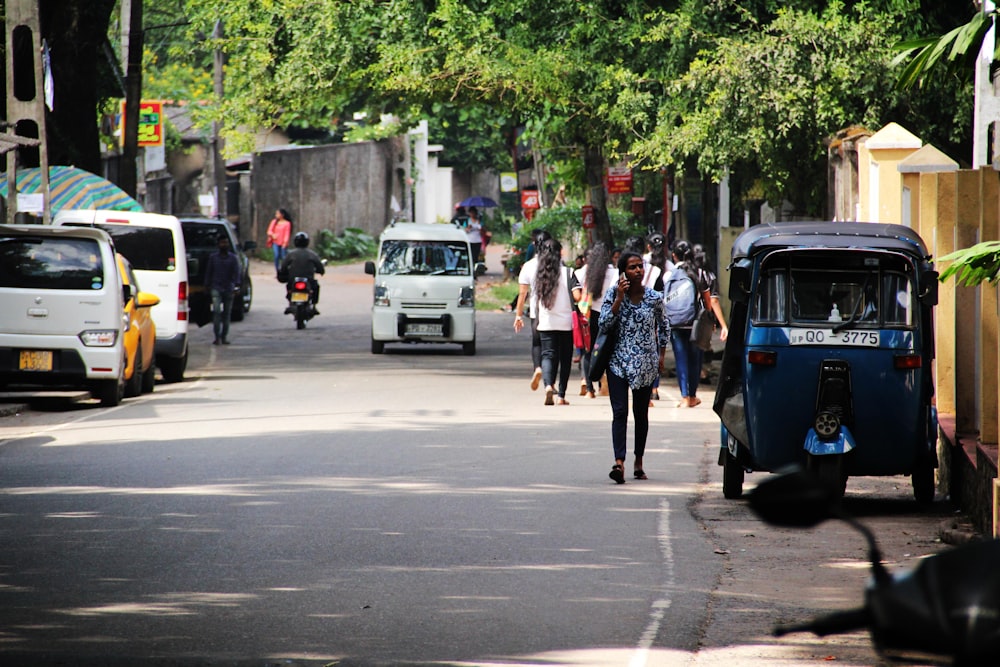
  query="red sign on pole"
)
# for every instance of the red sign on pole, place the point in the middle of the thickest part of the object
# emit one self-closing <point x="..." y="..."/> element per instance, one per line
<point x="151" y="129"/>
<point x="619" y="180"/>
<point x="588" y="217"/>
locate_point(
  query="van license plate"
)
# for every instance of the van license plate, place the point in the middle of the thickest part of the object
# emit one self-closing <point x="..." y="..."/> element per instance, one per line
<point x="424" y="330"/>
<point x="849" y="338"/>
<point x="35" y="360"/>
<point x="299" y="297"/>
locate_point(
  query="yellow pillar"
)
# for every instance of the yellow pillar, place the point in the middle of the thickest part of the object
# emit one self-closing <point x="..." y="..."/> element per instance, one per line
<point x="937" y="198"/>
<point x="967" y="208"/>
<point x="989" y="231"/>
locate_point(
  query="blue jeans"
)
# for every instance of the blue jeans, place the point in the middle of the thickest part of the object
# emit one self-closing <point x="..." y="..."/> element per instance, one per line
<point x="557" y="355"/>
<point x="618" y="391"/>
<point x="687" y="355"/>
<point x="279" y="254"/>
<point x="222" y="310"/>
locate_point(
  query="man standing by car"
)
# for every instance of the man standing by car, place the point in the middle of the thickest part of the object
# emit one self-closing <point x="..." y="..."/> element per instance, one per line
<point x="222" y="280"/>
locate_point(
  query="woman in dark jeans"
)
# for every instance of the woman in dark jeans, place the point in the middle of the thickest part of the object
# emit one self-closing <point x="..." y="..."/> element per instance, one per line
<point x="636" y="362"/>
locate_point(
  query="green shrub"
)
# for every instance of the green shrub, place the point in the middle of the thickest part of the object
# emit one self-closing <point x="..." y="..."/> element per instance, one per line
<point x="565" y="223"/>
<point x="352" y="243"/>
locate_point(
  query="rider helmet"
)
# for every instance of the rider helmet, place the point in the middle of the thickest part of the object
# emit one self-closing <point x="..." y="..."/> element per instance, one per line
<point x="301" y="240"/>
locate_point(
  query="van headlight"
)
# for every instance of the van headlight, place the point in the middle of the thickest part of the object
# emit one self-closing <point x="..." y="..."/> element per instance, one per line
<point x="99" y="338"/>
<point x="381" y="295"/>
<point x="467" y="298"/>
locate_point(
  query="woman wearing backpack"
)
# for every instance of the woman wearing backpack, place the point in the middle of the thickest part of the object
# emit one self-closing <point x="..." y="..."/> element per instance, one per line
<point x="681" y="293"/>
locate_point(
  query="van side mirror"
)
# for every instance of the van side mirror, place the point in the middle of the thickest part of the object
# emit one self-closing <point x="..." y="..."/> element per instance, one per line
<point x="480" y="269"/>
<point x="126" y="293"/>
<point x="370" y="268"/>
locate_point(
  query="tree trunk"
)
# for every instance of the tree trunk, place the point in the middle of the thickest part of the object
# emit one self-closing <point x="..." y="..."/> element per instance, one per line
<point x="594" y="168"/>
<point x="75" y="31"/>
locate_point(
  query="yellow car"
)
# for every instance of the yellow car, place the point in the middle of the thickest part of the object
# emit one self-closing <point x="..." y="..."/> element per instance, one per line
<point x="139" y="333"/>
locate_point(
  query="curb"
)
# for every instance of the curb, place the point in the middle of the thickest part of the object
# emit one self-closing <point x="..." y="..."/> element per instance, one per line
<point x="12" y="409"/>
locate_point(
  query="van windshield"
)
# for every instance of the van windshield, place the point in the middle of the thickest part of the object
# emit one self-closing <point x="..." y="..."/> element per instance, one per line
<point x="48" y="263"/>
<point x="147" y="248"/>
<point x="433" y="258"/>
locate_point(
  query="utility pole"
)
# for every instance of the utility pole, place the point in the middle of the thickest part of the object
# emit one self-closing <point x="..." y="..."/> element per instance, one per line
<point x="131" y="22"/>
<point x="25" y="121"/>
<point x="218" y="163"/>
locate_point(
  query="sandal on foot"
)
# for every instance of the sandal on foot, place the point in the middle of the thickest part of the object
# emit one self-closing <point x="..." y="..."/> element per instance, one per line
<point x="549" y="393"/>
<point x="618" y="474"/>
<point x="639" y="474"/>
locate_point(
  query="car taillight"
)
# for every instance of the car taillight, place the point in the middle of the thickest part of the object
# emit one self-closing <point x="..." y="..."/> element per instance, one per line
<point x="762" y="358"/>
<point x="182" y="301"/>
<point x="300" y="286"/>
<point x="906" y="362"/>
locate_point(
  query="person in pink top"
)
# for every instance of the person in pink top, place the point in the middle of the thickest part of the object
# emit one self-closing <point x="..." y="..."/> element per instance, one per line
<point x="279" y="232"/>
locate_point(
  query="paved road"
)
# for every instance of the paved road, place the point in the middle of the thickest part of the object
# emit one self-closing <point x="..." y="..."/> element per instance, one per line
<point x="301" y="501"/>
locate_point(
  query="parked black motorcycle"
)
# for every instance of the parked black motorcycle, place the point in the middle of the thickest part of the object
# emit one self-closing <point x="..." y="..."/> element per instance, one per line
<point x="946" y="611"/>
<point x="301" y="301"/>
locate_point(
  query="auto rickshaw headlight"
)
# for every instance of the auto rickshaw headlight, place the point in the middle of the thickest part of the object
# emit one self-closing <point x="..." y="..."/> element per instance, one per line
<point x="827" y="425"/>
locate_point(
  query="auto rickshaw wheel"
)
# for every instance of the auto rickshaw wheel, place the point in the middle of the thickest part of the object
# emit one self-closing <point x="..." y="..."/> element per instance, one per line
<point x="732" y="478"/>
<point x="922" y="479"/>
<point x="829" y="469"/>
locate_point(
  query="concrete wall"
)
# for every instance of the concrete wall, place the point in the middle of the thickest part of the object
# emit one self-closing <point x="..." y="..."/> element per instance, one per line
<point x="328" y="187"/>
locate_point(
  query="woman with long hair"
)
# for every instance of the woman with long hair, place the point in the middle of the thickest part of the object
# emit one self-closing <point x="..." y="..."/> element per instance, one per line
<point x="687" y="355"/>
<point x="636" y="361"/>
<point x="279" y="233"/>
<point x="555" y="320"/>
<point x="592" y="281"/>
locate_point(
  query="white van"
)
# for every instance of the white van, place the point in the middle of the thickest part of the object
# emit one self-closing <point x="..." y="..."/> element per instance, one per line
<point x="154" y="244"/>
<point x="61" y="297"/>
<point x="425" y="288"/>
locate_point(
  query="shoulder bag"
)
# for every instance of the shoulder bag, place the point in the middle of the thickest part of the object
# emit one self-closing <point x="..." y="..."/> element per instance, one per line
<point x="702" y="329"/>
<point x="604" y="347"/>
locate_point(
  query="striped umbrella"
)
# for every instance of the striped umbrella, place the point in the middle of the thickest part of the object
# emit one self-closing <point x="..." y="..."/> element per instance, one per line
<point x="70" y="187"/>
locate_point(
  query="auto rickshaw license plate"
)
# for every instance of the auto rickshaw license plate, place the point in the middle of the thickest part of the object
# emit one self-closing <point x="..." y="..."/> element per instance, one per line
<point x="850" y="338"/>
<point x="298" y="297"/>
<point x="35" y="360"/>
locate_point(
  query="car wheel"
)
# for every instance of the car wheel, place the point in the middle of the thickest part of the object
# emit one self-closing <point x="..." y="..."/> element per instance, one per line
<point x="378" y="347"/>
<point x="469" y="349"/>
<point x="111" y="392"/>
<point x="173" y="368"/>
<point x="148" y="380"/>
<point x="922" y="479"/>
<point x="237" y="315"/>
<point x="133" y="386"/>
<point x="247" y="294"/>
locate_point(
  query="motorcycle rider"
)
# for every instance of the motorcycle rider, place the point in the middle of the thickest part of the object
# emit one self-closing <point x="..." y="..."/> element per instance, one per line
<point x="303" y="263"/>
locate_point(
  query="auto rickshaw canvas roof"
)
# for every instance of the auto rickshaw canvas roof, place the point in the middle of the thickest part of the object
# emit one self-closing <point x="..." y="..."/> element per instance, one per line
<point x="836" y="235"/>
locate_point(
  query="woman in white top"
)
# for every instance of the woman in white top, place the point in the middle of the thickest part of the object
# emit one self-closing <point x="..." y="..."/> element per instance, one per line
<point x="475" y="232"/>
<point x="551" y="288"/>
<point x="589" y="289"/>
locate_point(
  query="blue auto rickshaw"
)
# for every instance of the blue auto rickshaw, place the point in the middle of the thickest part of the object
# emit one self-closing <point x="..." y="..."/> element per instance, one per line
<point x="828" y="360"/>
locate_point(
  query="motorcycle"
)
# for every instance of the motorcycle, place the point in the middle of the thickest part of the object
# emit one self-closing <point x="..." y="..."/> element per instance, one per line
<point x="946" y="611"/>
<point x="301" y="301"/>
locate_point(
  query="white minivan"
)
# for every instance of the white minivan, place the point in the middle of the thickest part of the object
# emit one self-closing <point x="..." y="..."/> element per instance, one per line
<point x="154" y="244"/>
<point x="61" y="297"/>
<point x="424" y="286"/>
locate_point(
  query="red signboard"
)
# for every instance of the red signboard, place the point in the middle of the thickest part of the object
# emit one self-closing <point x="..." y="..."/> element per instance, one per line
<point x="619" y="180"/>
<point x="151" y="127"/>
<point x="588" y="217"/>
<point x="530" y="199"/>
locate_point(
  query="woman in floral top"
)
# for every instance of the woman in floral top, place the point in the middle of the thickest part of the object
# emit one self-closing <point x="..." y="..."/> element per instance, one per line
<point x="636" y="362"/>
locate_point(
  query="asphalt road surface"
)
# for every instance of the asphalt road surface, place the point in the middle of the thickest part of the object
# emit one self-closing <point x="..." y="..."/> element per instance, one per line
<point x="298" y="500"/>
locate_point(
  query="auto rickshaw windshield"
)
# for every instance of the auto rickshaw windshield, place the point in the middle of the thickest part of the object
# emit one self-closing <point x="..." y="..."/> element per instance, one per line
<point x="797" y="290"/>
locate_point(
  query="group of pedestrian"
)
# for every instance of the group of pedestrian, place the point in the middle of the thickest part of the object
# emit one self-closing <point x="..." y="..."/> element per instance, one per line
<point x="650" y="298"/>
